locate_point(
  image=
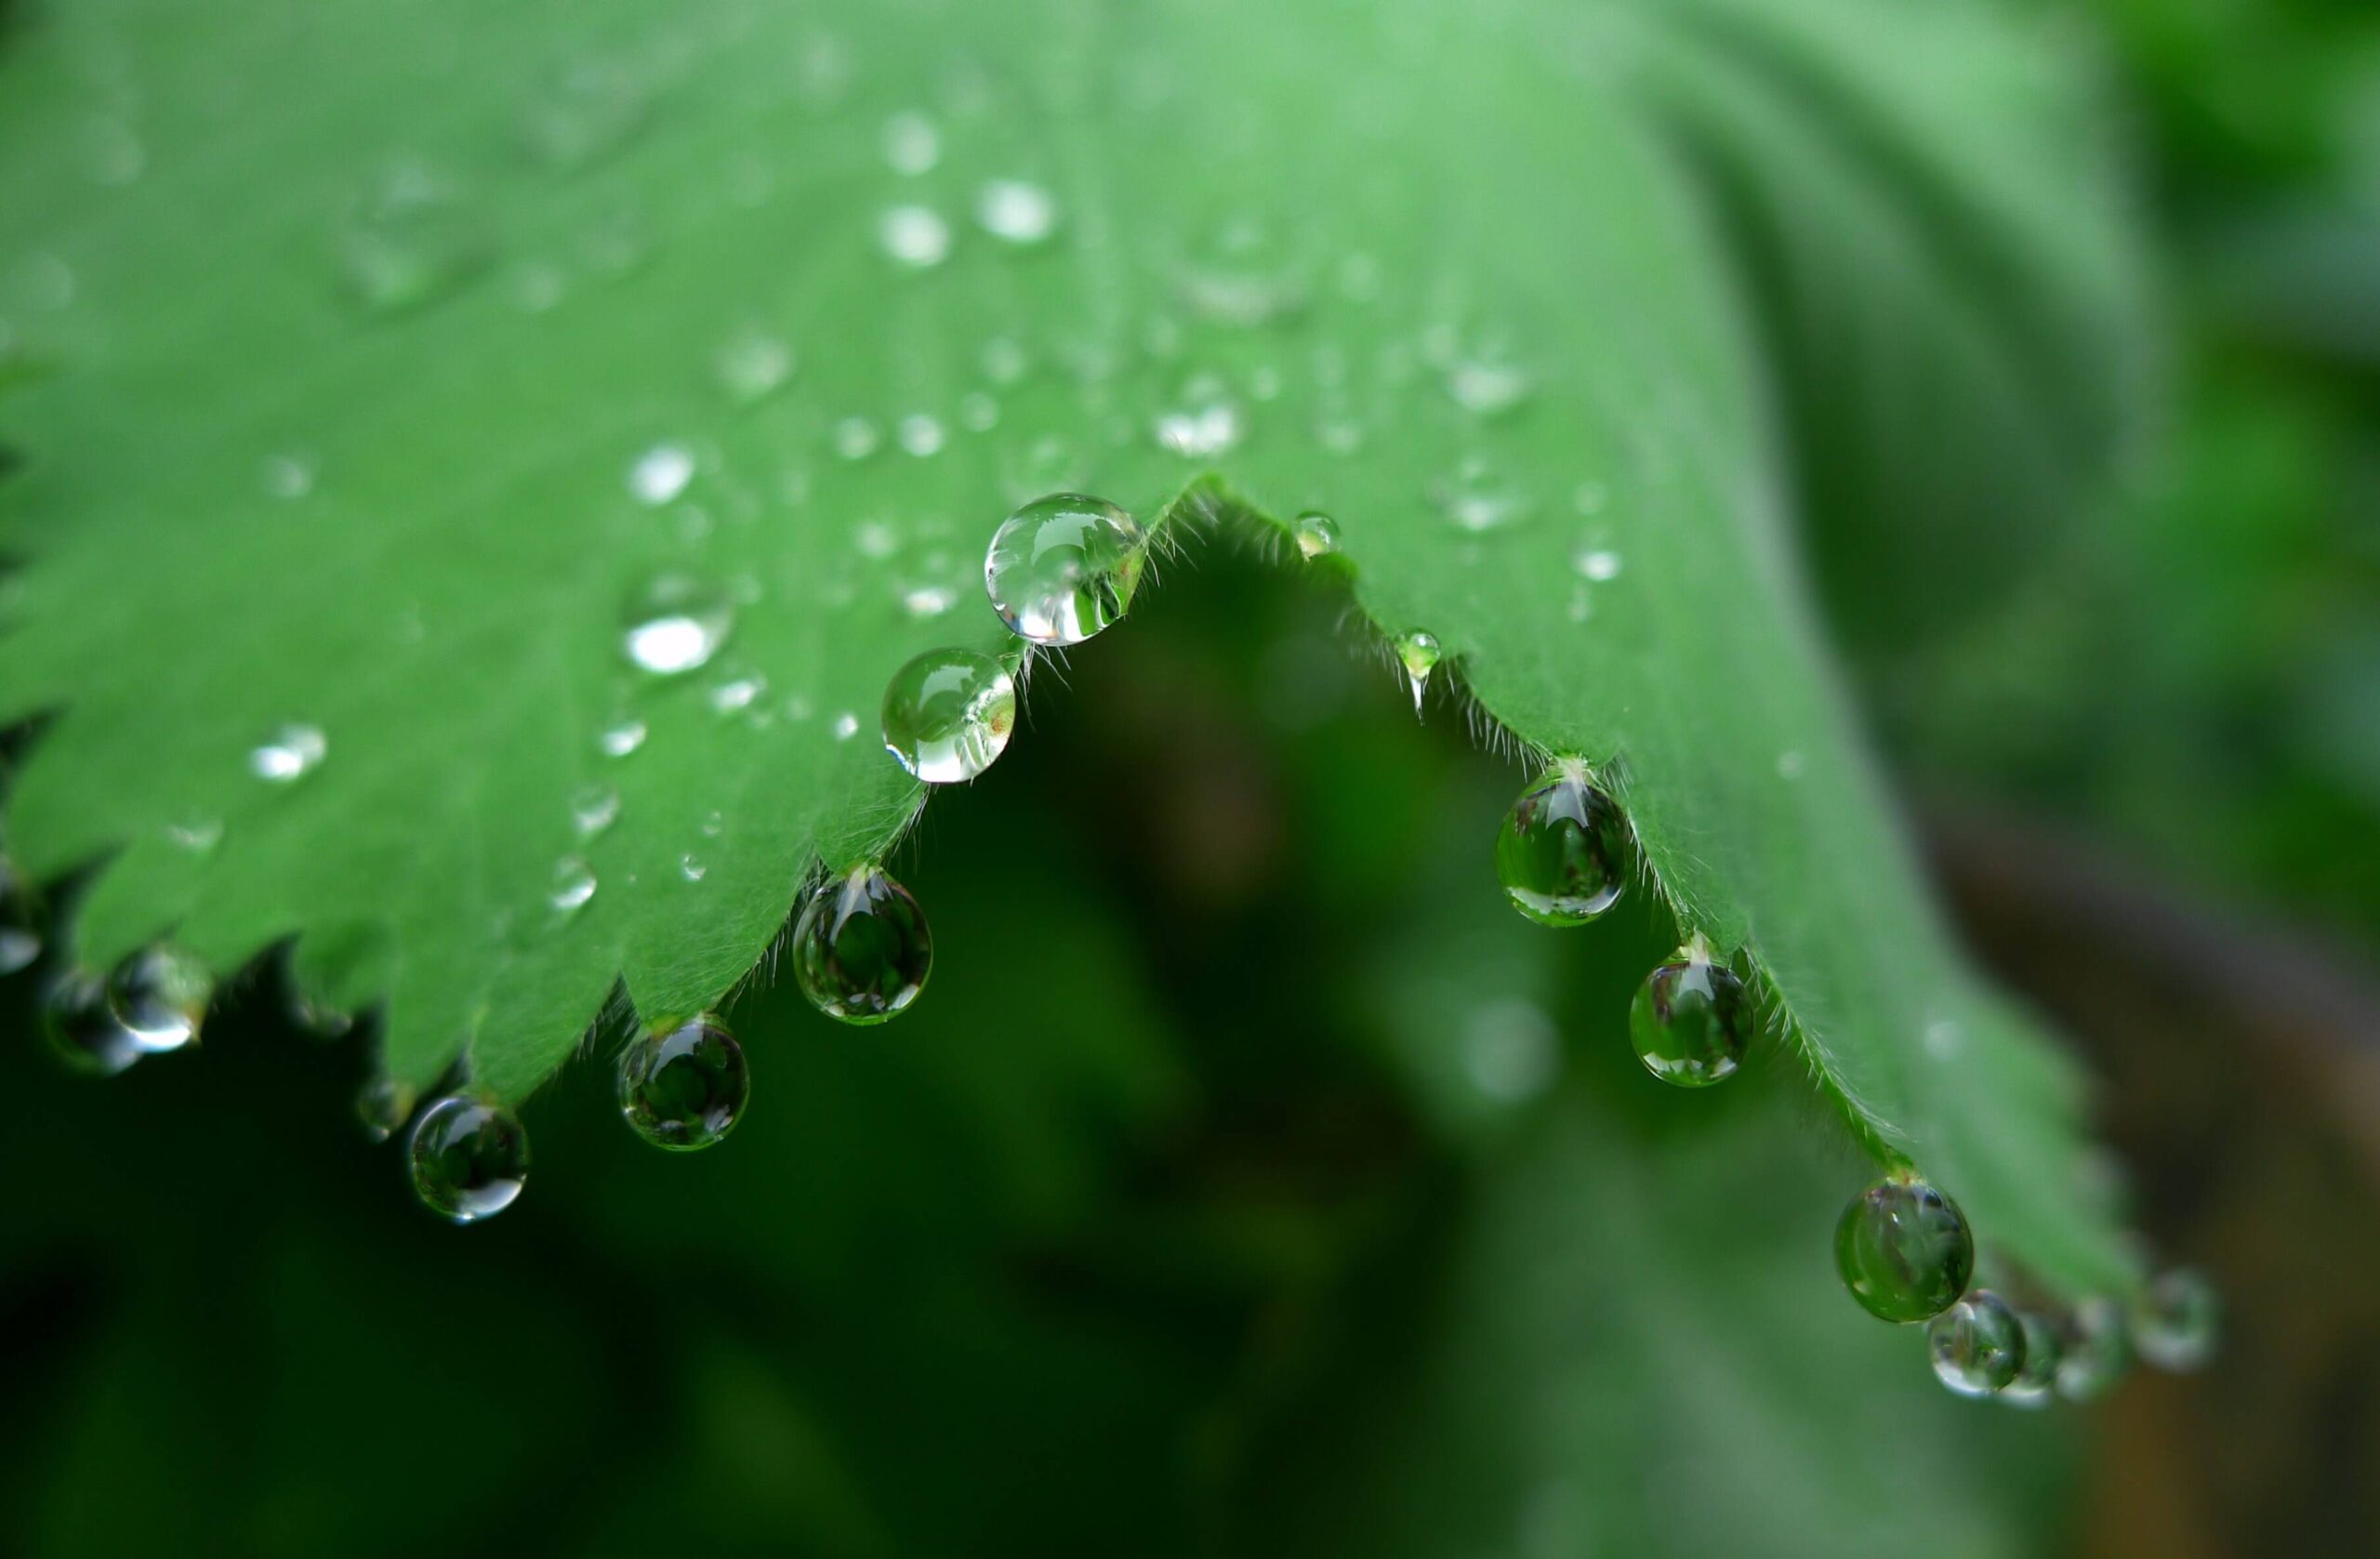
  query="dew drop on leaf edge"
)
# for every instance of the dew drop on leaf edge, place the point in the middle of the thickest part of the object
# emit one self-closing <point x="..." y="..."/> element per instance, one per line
<point x="1904" y="1251"/>
<point x="1064" y="567"/>
<point x="947" y="714"/>
<point x="2177" y="1320"/>
<point x="1562" y="853"/>
<point x="1317" y="534"/>
<point x="468" y="1158"/>
<point x="861" y="948"/>
<point x="684" y="1088"/>
<point x="1978" y="1345"/>
<point x="1690" y="1020"/>
<point x="80" y="1028"/>
<point x="159" y="995"/>
<point x="2036" y="1380"/>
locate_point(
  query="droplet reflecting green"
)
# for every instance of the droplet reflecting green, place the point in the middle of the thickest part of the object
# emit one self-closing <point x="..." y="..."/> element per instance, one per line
<point x="1317" y="534"/>
<point x="684" y="1088"/>
<point x="1978" y="1345"/>
<point x="2178" y="1320"/>
<point x="82" y="1029"/>
<point x="160" y="996"/>
<point x="408" y="239"/>
<point x="674" y="623"/>
<point x="947" y="715"/>
<point x="1064" y="567"/>
<point x="1418" y="653"/>
<point x="861" y="950"/>
<point x="2037" y="1376"/>
<point x="383" y="1105"/>
<point x="1904" y="1251"/>
<point x="2097" y="1349"/>
<point x="21" y="930"/>
<point x="468" y="1157"/>
<point x="1563" y="849"/>
<point x="1690" y="1020"/>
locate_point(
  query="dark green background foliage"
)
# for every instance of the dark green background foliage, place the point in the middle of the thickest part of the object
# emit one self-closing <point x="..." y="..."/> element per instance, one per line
<point x="1249" y="1178"/>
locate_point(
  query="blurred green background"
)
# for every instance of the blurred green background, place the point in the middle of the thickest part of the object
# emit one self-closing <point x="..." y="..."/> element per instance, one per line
<point x="1251" y="1180"/>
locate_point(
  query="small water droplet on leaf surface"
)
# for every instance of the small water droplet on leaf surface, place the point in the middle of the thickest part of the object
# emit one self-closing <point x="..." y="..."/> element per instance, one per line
<point x="676" y="622"/>
<point x="290" y="753"/>
<point x="1317" y="534"/>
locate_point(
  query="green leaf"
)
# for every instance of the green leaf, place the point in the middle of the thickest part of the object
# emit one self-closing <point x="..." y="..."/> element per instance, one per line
<point x="354" y="361"/>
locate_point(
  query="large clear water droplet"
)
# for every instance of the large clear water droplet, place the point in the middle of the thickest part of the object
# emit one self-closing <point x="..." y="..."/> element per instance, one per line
<point x="1978" y="1345"/>
<point x="1062" y="568"/>
<point x="160" y="996"/>
<point x="676" y="622"/>
<point x="1563" y="849"/>
<point x="468" y="1157"/>
<point x="1419" y="654"/>
<point x="1690" y="1020"/>
<point x="947" y="715"/>
<point x="290" y="753"/>
<point x="684" y="1088"/>
<point x="82" y="1029"/>
<point x="861" y="950"/>
<point x="2178" y="1320"/>
<point x="2036" y="1377"/>
<point x="1904" y="1249"/>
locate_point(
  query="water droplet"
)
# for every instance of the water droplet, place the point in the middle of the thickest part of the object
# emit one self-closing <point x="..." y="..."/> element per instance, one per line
<point x="1243" y="282"/>
<point x="676" y="623"/>
<point x="661" y="473"/>
<point x="978" y="413"/>
<point x="408" y="239"/>
<point x="159" y="995"/>
<point x="1207" y="427"/>
<point x="1418" y="653"/>
<point x="468" y="1157"/>
<point x="751" y="365"/>
<point x="383" y="1106"/>
<point x="947" y="715"/>
<point x="587" y="113"/>
<point x="19" y="949"/>
<point x="1978" y="1345"/>
<point x="691" y="868"/>
<point x="2037" y="1375"/>
<point x="845" y="726"/>
<point x="1904" y="1251"/>
<point x="1690" y="1020"/>
<point x="1488" y="386"/>
<point x="683" y="1090"/>
<point x="915" y="236"/>
<point x="928" y="601"/>
<point x="1563" y="849"/>
<point x="2097" y="1349"/>
<point x="621" y="738"/>
<point x="1016" y="211"/>
<point x="920" y="435"/>
<point x="1478" y="500"/>
<point x="289" y="754"/>
<point x="2178" y="1320"/>
<point x="912" y="145"/>
<point x="857" y="438"/>
<point x="861" y="950"/>
<point x="1004" y="359"/>
<point x="1317" y="534"/>
<point x="573" y="883"/>
<point x="1599" y="564"/>
<point x="82" y="1029"/>
<point x="195" y="834"/>
<point x="289" y="476"/>
<point x="1064" y="567"/>
<point x="594" y="808"/>
<point x="714" y="823"/>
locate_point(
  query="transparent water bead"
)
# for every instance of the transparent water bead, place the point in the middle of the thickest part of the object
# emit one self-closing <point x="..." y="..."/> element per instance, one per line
<point x="468" y="1158"/>
<point x="1418" y="653"/>
<point x="1690" y="1020"/>
<point x="1064" y="567"/>
<point x="684" y="1088"/>
<point x="2097" y="1349"/>
<point x="20" y="940"/>
<point x="80" y="1028"/>
<point x="2178" y="1320"/>
<point x="1016" y="211"/>
<point x="1978" y="1345"/>
<point x="947" y="715"/>
<point x="1207" y="426"/>
<point x="1317" y="534"/>
<point x="2036" y="1377"/>
<point x="675" y="623"/>
<point x="1904" y="1251"/>
<point x="861" y="949"/>
<point x="1488" y="386"/>
<point x="661" y="473"/>
<point x="289" y="754"/>
<point x="915" y="237"/>
<point x="912" y="144"/>
<point x="1563" y="849"/>
<point x="751" y="365"/>
<point x="382" y="1105"/>
<point x="574" y="884"/>
<point x="408" y="239"/>
<point x="593" y="809"/>
<point x="159" y="995"/>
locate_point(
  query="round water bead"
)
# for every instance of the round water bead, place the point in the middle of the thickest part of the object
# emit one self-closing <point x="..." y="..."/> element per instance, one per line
<point x="1317" y="534"/>
<point x="2037" y="1376"/>
<point x="20" y="922"/>
<point x="82" y="1028"/>
<point x="947" y="715"/>
<point x="160" y="996"/>
<point x="861" y="950"/>
<point x="1418" y="652"/>
<point x="1689" y="1021"/>
<point x="1904" y="1249"/>
<point x="1562" y="852"/>
<point x="2095" y="1349"/>
<point x="1978" y="1345"/>
<point x="382" y="1104"/>
<point x="1064" y="567"/>
<point x="2178" y="1320"/>
<point x="674" y="623"/>
<point x="682" y="1088"/>
<point x="469" y="1158"/>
